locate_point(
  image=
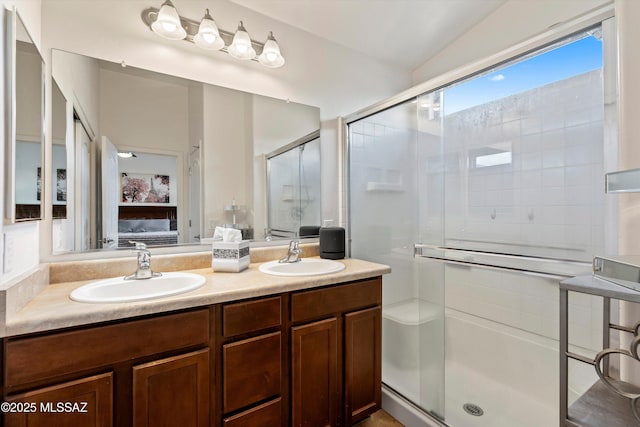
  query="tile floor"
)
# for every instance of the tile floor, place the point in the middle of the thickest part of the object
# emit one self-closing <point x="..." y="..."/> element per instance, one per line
<point x="380" y="419"/>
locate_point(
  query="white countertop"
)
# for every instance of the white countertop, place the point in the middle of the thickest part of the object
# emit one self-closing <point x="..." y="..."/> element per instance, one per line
<point x="53" y="309"/>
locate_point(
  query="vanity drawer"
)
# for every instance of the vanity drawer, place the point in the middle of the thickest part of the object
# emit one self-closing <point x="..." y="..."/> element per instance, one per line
<point x="318" y="303"/>
<point x="36" y="359"/>
<point x="267" y="414"/>
<point x="251" y="370"/>
<point x="250" y="316"/>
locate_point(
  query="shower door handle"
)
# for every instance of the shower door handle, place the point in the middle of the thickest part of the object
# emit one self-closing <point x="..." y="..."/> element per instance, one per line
<point x="545" y="266"/>
<point x="419" y="249"/>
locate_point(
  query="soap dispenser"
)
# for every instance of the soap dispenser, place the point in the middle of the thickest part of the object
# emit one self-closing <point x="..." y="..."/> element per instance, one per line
<point x="331" y="241"/>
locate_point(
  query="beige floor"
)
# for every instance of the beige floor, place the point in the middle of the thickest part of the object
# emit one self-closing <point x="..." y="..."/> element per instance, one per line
<point x="380" y="419"/>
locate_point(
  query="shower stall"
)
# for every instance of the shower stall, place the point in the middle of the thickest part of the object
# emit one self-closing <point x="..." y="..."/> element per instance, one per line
<point x="482" y="194"/>
<point x="293" y="186"/>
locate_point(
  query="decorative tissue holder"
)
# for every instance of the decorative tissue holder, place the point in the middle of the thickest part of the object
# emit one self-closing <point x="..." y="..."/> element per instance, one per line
<point x="230" y="256"/>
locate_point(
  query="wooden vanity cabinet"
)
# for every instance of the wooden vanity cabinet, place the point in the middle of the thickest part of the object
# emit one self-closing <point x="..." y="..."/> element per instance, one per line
<point x="54" y="405"/>
<point x="130" y="373"/>
<point x="252" y="364"/>
<point x="173" y="391"/>
<point x="305" y="358"/>
<point x="336" y="354"/>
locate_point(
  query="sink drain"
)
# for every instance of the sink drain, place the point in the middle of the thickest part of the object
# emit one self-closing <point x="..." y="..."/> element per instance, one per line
<point x="472" y="409"/>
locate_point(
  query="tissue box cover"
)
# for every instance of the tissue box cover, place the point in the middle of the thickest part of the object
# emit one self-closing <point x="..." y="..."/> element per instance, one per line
<point x="230" y="256"/>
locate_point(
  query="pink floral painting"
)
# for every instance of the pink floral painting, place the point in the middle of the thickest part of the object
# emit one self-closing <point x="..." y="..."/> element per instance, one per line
<point x="145" y="188"/>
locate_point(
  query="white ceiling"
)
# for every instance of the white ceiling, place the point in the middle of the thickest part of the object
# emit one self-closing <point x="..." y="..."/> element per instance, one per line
<point x="404" y="33"/>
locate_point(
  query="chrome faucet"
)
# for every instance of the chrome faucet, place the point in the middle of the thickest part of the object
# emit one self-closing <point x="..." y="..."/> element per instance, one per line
<point x="143" y="270"/>
<point x="293" y="254"/>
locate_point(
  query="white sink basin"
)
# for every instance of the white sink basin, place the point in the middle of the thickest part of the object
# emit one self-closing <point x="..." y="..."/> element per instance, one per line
<point x="305" y="267"/>
<point x="120" y="290"/>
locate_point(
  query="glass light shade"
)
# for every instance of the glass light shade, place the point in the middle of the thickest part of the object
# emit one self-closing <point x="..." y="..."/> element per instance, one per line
<point x="240" y="47"/>
<point x="208" y="36"/>
<point x="270" y="56"/>
<point x="168" y="24"/>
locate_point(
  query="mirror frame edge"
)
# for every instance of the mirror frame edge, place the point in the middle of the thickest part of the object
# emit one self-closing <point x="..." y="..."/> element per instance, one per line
<point x="10" y="114"/>
<point x="12" y="15"/>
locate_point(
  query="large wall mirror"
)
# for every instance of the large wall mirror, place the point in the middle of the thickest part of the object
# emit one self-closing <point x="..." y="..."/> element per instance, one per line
<point x="24" y="123"/>
<point x="160" y="159"/>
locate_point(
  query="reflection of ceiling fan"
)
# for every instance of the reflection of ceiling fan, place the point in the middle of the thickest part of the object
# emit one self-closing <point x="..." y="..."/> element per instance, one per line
<point x="126" y="154"/>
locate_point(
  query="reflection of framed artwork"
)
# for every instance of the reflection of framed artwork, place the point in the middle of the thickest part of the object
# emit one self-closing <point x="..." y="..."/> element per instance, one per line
<point x="61" y="185"/>
<point x="144" y="188"/>
<point x="38" y="183"/>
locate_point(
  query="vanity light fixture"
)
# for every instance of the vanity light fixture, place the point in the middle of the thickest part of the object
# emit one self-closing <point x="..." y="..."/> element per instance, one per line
<point x="208" y="36"/>
<point x="205" y="34"/>
<point x="270" y="56"/>
<point x="167" y="23"/>
<point x="241" y="45"/>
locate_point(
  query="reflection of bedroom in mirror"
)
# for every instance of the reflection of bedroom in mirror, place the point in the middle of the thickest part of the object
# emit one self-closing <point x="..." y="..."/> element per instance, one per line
<point x="147" y="209"/>
<point x="160" y="159"/>
<point x="58" y="154"/>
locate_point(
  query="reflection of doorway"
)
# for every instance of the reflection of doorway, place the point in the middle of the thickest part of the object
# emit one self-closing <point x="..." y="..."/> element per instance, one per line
<point x="195" y="225"/>
<point x="109" y="179"/>
<point x="83" y="187"/>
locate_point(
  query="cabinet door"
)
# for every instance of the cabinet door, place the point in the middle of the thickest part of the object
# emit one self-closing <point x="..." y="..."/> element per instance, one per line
<point x="172" y="392"/>
<point x="85" y="402"/>
<point x="362" y="348"/>
<point x="314" y="374"/>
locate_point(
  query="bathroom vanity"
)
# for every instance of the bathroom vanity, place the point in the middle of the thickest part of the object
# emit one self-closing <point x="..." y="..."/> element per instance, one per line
<point x="246" y="349"/>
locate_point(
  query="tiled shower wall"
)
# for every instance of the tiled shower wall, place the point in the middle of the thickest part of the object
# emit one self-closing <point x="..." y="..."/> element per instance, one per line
<point x="549" y="199"/>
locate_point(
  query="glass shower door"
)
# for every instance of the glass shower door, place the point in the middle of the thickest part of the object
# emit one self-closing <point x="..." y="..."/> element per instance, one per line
<point x="394" y="157"/>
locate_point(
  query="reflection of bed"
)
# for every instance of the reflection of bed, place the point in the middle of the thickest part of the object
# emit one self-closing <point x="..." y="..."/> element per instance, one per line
<point x="153" y="232"/>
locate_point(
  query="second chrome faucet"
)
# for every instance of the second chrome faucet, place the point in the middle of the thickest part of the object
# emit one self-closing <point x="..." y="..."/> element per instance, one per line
<point x="293" y="253"/>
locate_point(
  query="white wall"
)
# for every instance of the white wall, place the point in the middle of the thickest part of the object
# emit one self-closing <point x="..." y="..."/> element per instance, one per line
<point x="141" y="112"/>
<point x="29" y="88"/>
<point x="513" y="22"/>
<point x="628" y="12"/>
<point x="78" y="78"/>
<point x="225" y="150"/>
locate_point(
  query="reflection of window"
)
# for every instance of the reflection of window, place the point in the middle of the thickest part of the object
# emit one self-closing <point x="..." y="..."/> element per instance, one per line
<point x="496" y="159"/>
<point x="489" y="156"/>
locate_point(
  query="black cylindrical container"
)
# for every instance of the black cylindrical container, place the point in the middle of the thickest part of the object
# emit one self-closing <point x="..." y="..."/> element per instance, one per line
<point x="332" y="242"/>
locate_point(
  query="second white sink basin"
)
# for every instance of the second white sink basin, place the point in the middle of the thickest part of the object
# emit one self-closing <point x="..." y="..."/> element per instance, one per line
<point x="304" y="267"/>
<point x="118" y="290"/>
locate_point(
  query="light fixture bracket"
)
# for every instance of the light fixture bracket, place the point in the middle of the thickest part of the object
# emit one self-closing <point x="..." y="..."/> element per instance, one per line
<point x="191" y="27"/>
